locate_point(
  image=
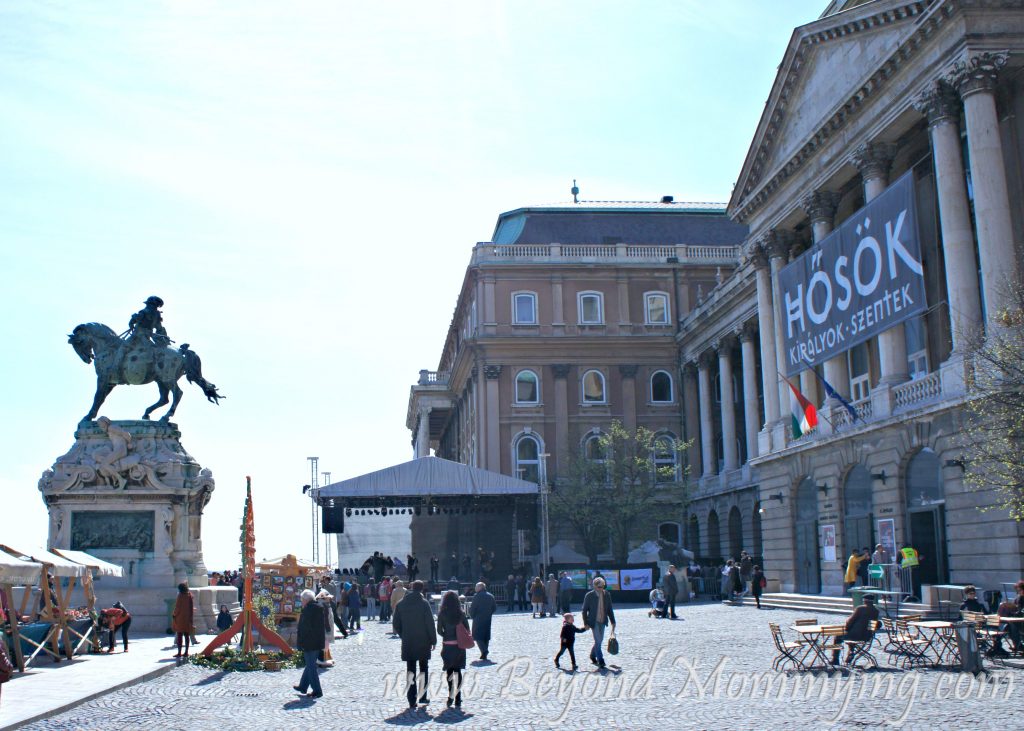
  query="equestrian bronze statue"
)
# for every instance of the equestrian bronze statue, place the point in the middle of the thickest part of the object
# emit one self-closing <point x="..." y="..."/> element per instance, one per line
<point x="141" y="354"/>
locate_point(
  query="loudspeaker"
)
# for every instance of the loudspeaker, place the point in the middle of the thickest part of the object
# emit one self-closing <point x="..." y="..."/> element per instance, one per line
<point x="526" y="515"/>
<point x="332" y="518"/>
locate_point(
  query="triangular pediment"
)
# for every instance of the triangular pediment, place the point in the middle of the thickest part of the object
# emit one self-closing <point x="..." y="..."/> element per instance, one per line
<point x="830" y="68"/>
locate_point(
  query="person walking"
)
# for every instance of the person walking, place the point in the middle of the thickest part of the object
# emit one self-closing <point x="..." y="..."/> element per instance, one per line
<point x="337" y="599"/>
<point x="414" y="623"/>
<point x="397" y="595"/>
<point x="384" y="596"/>
<point x="537" y="596"/>
<point x="354" y="602"/>
<point x="564" y="593"/>
<point x="481" y="609"/>
<point x="670" y="587"/>
<point x="551" y="588"/>
<point x="598" y="614"/>
<point x="453" y="658"/>
<point x="182" y="618"/>
<point x="567" y="640"/>
<point x="757" y="584"/>
<point x="310" y="636"/>
<point x="324" y="659"/>
<point x="746" y="569"/>
<point x="116" y="617"/>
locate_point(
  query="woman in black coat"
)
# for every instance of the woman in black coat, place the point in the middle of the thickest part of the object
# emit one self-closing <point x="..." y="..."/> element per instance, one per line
<point x="449" y="617"/>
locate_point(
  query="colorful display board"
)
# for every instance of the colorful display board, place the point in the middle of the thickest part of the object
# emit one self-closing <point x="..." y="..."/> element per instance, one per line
<point x="284" y="591"/>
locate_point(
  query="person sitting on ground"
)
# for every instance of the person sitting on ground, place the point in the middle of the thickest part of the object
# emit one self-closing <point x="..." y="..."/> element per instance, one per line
<point x="971" y="603"/>
<point x="657" y="599"/>
<point x="567" y="639"/>
<point x="858" y="625"/>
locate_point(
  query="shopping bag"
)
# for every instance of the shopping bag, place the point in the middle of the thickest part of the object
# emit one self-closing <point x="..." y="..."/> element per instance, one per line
<point x="613" y="644"/>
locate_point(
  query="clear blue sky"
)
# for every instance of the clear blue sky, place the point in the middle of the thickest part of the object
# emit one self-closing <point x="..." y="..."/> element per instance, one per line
<point x="302" y="184"/>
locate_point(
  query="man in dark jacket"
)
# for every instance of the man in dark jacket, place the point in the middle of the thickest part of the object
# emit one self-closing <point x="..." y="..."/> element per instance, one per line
<point x="858" y="625"/>
<point x="598" y="614"/>
<point x="671" y="588"/>
<point x="481" y="610"/>
<point x="414" y="623"/>
<point x="311" y="642"/>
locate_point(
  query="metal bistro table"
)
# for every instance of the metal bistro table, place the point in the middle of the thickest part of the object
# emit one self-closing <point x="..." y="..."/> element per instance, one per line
<point x="941" y="641"/>
<point x="885" y="595"/>
<point x="815" y="635"/>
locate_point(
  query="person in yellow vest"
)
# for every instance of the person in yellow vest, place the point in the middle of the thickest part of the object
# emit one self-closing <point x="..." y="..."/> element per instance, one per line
<point x="909" y="557"/>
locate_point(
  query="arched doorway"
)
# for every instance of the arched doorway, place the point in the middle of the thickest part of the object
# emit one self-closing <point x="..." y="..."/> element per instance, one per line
<point x="858" y="529"/>
<point x="693" y="536"/>
<point x="735" y="532"/>
<point x="807" y="566"/>
<point x="714" y="538"/>
<point x="926" y="518"/>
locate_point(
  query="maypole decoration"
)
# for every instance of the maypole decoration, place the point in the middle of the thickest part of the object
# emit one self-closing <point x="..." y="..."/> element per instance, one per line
<point x="248" y="619"/>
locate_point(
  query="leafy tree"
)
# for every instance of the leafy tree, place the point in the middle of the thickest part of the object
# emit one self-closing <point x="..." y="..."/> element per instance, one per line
<point x="618" y="487"/>
<point x="993" y="430"/>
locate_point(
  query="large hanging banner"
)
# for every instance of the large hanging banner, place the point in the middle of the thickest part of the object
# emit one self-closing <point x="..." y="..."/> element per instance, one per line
<point x="860" y="280"/>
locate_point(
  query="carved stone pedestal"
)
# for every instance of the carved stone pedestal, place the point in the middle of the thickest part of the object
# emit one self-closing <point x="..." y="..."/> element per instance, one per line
<point x="128" y="492"/>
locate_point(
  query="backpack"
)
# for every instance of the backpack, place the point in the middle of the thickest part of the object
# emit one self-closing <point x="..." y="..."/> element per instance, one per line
<point x="463" y="637"/>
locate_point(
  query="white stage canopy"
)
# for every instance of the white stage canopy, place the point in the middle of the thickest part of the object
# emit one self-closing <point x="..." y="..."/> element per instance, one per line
<point x="101" y="567"/>
<point x="428" y="477"/>
<point x="60" y="566"/>
<point x="19" y="571"/>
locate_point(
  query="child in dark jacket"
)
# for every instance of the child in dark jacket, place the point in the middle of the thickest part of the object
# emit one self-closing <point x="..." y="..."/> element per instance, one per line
<point x="568" y="635"/>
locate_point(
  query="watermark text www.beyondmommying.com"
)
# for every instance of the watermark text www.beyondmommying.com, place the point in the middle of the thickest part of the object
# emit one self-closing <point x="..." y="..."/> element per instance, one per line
<point x="837" y="695"/>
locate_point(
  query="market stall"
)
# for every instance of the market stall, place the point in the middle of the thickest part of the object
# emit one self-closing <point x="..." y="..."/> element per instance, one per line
<point x="84" y="630"/>
<point x="52" y="613"/>
<point x="284" y="579"/>
<point x="15" y="572"/>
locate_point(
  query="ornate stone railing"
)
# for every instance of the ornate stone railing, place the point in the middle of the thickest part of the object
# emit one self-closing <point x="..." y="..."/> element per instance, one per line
<point x="684" y="253"/>
<point x="841" y="418"/>
<point x="913" y="392"/>
<point x="433" y="378"/>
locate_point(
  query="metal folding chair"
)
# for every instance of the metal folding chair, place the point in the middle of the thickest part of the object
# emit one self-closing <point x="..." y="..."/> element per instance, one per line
<point x="861" y="649"/>
<point x="787" y="651"/>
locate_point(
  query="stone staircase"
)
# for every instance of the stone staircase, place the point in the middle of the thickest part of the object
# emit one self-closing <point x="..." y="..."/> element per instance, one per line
<point x="818" y="604"/>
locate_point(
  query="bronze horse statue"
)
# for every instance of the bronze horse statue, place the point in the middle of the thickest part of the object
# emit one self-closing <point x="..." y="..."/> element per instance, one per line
<point x="120" y="362"/>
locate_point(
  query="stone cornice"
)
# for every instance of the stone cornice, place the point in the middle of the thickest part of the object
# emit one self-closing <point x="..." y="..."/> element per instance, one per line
<point x="753" y="189"/>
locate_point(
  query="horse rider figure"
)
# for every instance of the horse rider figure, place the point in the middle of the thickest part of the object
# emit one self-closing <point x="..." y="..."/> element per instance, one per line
<point x="147" y="325"/>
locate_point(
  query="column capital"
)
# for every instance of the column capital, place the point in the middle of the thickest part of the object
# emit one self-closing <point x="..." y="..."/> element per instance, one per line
<point x="560" y="370"/>
<point x="977" y="72"/>
<point x="492" y="372"/>
<point x="940" y="103"/>
<point x="689" y="369"/>
<point x="874" y="159"/>
<point x="747" y="331"/>
<point x="754" y="253"/>
<point x="820" y="205"/>
<point x="707" y="359"/>
<point x="628" y="371"/>
<point x="777" y="242"/>
<point x="724" y="343"/>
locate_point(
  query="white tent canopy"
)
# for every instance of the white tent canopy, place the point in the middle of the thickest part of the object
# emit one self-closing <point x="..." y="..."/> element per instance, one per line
<point x="19" y="571"/>
<point x="101" y="567"/>
<point x="60" y="565"/>
<point x="429" y="477"/>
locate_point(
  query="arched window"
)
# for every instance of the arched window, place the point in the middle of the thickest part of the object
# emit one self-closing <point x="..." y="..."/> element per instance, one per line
<point x="661" y="388"/>
<point x="528" y="458"/>
<point x="591" y="308"/>
<point x="527" y="387"/>
<point x="924" y="480"/>
<point x="524" y="308"/>
<point x="714" y="538"/>
<point x="735" y="532"/>
<point x="593" y="388"/>
<point x="671" y="533"/>
<point x="666" y="468"/>
<point x="594" y="449"/>
<point x="858" y="531"/>
<point x="656" y="311"/>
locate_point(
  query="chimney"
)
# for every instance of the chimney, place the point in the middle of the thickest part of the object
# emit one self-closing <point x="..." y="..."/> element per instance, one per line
<point x="667" y="199"/>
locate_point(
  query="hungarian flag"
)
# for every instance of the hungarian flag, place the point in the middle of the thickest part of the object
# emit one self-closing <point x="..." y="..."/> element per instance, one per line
<point x="804" y="415"/>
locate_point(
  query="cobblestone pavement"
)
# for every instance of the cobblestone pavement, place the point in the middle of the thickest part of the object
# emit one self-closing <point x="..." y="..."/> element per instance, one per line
<point x="711" y="669"/>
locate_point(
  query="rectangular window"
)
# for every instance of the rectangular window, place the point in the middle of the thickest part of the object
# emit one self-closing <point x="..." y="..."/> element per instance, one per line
<point x="525" y="308"/>
<point x="917" y="347"/>
<point x="860" y="373"/>
<point x="590" y="309"/>
<point x="656" y="306"/>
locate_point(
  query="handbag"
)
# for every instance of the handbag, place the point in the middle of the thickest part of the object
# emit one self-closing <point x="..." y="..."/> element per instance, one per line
<point x="463" y="637"/>
<point x="613" y="644"/>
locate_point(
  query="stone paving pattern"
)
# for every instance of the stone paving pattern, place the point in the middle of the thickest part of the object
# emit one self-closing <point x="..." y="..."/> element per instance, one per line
<point x="521" y="688"/>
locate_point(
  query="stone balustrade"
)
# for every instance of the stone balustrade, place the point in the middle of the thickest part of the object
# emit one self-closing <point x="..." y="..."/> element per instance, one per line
<point x="433" y="378"/>
<point x="687" y="254"/>
<point x="917" y="391"/>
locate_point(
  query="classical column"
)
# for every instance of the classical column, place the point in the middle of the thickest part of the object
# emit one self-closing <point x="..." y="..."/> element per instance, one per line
<point x="766" y="325"/>
<point x="777" y="243"/>
<point x="821" y="209"/>
<point x="493" y="450"/>
<point x="560" y="449"/>
<point x="728" y="404"/>
<point x="691" y="414"/>
<point x="423" y="432"/>
<point x="941" y="106"/>
<point x="707" y="424"/>
<point x="628" y="375"/>
<point x="976" y="80"/>
<point x="874" y="160"/>
<point x="751" y="410"/>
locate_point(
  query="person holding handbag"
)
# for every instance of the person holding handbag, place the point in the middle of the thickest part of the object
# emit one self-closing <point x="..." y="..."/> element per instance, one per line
<point x="598" y="614"/>
<point x="453" y="628"/>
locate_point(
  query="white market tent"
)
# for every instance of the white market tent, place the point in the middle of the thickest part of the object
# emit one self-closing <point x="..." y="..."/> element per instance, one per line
<point x="426" y="477"/>
<point x="98" y="565"/>
<point x="17" y="571"/>
<point x="58" y="565"/>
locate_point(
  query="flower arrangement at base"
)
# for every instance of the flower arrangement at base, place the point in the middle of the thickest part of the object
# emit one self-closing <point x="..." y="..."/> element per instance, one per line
<point x="230" y="660"/>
